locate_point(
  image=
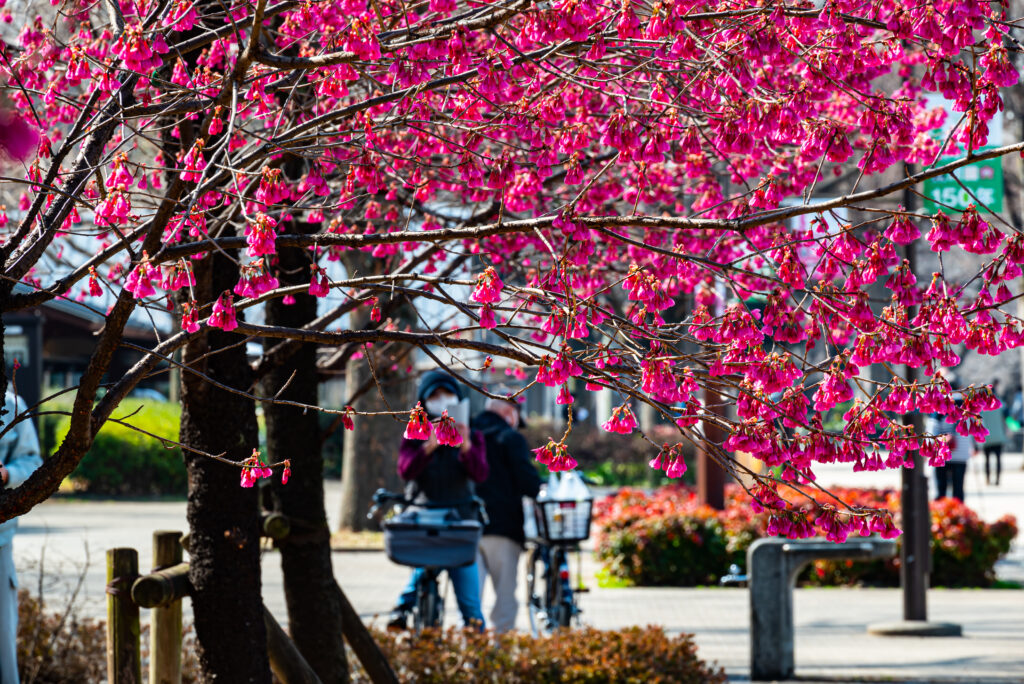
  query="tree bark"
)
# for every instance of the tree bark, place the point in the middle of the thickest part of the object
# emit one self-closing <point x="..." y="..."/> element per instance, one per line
<point x="311" y="592"/>
<point x="370" y="454"/>
<point x="224" y="552"/>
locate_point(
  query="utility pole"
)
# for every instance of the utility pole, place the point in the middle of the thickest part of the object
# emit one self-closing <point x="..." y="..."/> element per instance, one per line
<point x="710" y="475"/>
<point x="915" y="553"/>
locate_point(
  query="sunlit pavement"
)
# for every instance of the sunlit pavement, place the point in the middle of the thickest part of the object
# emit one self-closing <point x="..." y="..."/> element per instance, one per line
<point x="70" y="538"/>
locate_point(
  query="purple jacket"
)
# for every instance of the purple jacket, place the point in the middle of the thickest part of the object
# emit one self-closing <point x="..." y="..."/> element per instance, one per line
<point x="446" y="475"/>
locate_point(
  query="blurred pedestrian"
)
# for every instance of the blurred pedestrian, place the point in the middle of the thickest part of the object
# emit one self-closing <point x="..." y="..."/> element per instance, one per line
<point x="19" y="456"/>
<point x="442" y="475"/>
<point x="995" y="422"/>
<point x="512" y="476"/>
<point x="951" y="475"/>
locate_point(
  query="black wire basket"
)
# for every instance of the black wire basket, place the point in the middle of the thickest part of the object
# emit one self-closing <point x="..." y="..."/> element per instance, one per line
<point x="563" y="521"/>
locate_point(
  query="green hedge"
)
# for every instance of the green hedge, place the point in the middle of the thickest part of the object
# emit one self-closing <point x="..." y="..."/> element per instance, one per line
<point x="123" y="461"/>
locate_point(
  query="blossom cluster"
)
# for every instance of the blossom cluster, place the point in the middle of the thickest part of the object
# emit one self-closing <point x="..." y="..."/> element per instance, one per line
<point x="616" y="180"/>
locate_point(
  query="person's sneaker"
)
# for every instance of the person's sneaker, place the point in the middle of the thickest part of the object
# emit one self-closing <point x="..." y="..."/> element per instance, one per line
<point x="398" y="620"/>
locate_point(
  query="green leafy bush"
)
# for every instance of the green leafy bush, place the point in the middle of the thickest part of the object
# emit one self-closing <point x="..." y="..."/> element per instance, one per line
<point x="667" y="538"/>
<point x="628" y="656"/>
<point x="124" y="461"/>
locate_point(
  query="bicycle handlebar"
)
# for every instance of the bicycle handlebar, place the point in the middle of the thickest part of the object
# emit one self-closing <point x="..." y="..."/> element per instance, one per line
<point x="382" y="497"/>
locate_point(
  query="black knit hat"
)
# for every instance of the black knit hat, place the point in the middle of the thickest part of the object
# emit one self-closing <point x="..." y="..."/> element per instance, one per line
<point x="438" y="379"/>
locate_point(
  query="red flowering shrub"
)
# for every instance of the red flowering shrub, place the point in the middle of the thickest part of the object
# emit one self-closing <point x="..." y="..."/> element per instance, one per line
<point x="964" y="547"/>
<point x="667" y="538"/>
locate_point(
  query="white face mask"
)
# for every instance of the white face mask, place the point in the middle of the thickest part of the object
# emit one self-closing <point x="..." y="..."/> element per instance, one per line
<point x="435" y="407"/>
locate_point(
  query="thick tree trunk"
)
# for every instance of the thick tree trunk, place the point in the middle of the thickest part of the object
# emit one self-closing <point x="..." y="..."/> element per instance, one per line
<point x="224" y="552"/>
<point x="370" y="456"/>
<point x="311" y="592"/>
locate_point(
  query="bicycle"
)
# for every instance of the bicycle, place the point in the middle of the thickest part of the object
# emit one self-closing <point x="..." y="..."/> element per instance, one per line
<point x="432" y="538"/>
<point x="551" y="598"/>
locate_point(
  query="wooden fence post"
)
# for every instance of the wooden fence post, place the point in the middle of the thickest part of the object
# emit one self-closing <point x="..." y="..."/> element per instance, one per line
<point x="124" y="665"/>
<point x="165" y="620"/>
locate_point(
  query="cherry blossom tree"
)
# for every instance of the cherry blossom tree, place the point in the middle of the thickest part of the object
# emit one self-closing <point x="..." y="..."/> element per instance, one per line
<point x="612" y="183"/>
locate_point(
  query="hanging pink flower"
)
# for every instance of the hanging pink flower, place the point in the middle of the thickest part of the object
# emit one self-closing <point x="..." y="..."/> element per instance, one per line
<point x="564" y="396"/>
<point x="114" y="210"/>
<point x="544" y="453"/>
<point x="260" y="236"/>
<point x="487" y="320"/>
<point x="447" y="434"/>
<point x="224" y="313"/>
<point x="253" y="469"/>
<point x="140" y="280"/>
<point x="178" y="276"/>
<point x="555" y="455"/>
<point x="319" y="285"/>
<point x="190" y="317"/>
<point x="346" y="418"/>
<point x="488" y="287"/>
<point x="193" y="164"/>
<point x="676" y="468"/>
<point x="94" y="285"/>
<point x="287" y="472"/>
<point x="419" y="425"/>
<point x="183" y="16"/>
<point x="670" y="458"/>
<point x="902" y="231"/>
<point x="622" y="421"/>
<point x="375" y="311"/>
<point x="248" y="477"/>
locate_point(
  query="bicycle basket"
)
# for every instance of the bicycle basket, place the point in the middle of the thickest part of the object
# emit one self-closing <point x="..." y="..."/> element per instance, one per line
<point x="564" y="521"/>
<point x="429" y="542"/>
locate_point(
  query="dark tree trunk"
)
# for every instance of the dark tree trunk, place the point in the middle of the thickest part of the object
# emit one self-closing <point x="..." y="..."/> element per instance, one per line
<point x="370" y="456"/>
<point x="224" y="552"/>
<point x="311" y="592"/>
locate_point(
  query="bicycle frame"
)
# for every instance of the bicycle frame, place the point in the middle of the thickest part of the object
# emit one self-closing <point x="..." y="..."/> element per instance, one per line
<point x="428" y="609"/>
<point x="556" y="608"/>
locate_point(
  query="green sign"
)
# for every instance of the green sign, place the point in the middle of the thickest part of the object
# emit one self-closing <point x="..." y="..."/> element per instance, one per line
<point x="983" y="179"/>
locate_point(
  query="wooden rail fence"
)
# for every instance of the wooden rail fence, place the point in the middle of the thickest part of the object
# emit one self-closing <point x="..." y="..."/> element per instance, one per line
<point x="163" y="589"/>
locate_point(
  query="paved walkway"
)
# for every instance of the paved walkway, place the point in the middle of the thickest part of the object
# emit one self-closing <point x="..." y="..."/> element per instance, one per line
<point x="831" y="643"/>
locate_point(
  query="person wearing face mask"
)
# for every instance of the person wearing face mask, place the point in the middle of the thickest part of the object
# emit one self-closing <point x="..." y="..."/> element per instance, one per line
<point x="19" y="457"/>
<point x="443" y="475"/>
<point x="512" y="476"/>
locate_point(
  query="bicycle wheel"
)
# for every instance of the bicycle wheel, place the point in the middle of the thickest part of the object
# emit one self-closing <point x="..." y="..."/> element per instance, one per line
<point x="534" y="578"/>
<point x="559" y="599"/>
<point x="426" y="612"/>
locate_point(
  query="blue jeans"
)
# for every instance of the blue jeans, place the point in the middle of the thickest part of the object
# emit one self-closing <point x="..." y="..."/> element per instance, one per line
<point x="465" y="581"/>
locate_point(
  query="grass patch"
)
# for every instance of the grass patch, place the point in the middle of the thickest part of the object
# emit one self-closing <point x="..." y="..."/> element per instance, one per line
<point x="606" y="580"/>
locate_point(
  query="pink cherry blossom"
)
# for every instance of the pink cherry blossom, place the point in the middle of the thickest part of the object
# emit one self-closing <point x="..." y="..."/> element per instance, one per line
<point x="224" y="313"/>
<point x="447" y="434"/>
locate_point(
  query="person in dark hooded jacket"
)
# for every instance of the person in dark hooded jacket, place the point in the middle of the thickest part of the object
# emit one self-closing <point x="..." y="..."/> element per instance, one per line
<point x="443" y="475"/>
<point x="512" y="476"/>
